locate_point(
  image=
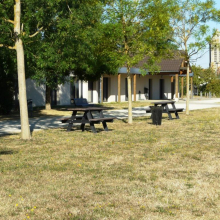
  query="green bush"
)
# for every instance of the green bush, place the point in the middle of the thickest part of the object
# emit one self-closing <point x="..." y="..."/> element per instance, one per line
<point x="214" y="87"/>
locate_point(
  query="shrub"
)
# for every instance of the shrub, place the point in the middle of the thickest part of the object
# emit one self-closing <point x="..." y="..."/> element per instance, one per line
<point x="214" y="87"/>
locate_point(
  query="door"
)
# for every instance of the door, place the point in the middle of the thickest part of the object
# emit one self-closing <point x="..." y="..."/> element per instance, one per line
<point x="74" y="90"/>
<point x="90" y="91"/>
<point x="150" y="89"/>
<point x="161" y="88"/>
<point x="54" y="97"/>
<point x="105" y="89"/>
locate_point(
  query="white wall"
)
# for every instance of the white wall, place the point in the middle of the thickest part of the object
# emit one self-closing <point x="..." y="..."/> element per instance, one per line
<point x="85" y="89"/>
<point x="113" y="88"/>
<point x="35" y="92"/>
<point x="96" y="92"/>
<point x="141" y="83"/>
<point x="64" y="94"/>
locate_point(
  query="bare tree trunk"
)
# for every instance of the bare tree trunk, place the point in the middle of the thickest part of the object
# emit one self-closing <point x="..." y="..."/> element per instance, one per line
<point x="187" y="89"/>
<point x="129" y="98"/>
<point x="48" y="98"/>
<point x="25" y="130"/>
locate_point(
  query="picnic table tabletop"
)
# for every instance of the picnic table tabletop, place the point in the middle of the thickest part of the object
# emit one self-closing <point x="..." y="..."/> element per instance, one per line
<point x="163" y="102"/>
<point x="87" y="108"/>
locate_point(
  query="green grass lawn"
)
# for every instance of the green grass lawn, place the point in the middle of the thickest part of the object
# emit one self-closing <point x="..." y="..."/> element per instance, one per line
<point x="138" y="171"/>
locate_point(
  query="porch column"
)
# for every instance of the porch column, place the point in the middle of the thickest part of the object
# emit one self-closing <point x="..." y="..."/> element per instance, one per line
<point x="135" y="85"/>
<point x="119" y="87"/>
<point x="191" y="88"/>
<point x="176" y="85"/>
<point x="182" y="85"/>
<point x="172" y="87"/>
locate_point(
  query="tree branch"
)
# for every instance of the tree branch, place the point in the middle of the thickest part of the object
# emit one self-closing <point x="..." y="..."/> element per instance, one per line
<point x="9" y="47"/>
<point x="8" y="20"/>
<point x="33" y="35"/>
<point x="69" y="8"/>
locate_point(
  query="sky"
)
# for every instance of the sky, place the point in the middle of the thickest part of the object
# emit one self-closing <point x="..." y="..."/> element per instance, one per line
<point x="204" y="60"/>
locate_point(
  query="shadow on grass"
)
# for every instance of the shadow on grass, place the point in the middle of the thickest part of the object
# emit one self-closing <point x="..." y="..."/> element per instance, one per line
<point x="7" y="152"/>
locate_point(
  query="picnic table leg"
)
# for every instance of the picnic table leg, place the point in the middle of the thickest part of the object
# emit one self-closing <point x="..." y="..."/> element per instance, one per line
<point x="70" y="126"/>
<point x="177" y="115"/>
<point x="83" y="124"/>
<point x="71" y="121"/>
<point x="92" y="125"/>
<point x="104" y="124"/>
<point x="169" y="114"/>
<point x="82" y="127"/>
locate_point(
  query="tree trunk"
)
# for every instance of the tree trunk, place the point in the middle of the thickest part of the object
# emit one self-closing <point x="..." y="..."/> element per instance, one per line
<point x="129" y="98"/>
<point x="48" y="98"/>
<point x="187" y="89"/>
<point x="25" y="129"/>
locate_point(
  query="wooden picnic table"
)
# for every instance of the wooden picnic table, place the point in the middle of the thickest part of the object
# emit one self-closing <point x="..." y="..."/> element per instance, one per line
<point x="166" y="109"/>
<point x="88" y="118"/>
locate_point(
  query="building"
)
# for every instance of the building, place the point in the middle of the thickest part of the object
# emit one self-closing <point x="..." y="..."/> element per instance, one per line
<point x="215" y="53"/>
<point x="113" y="88"/>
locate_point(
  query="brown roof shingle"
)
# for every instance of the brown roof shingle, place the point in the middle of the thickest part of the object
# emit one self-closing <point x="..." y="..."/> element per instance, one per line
<point x="166" y="65"/>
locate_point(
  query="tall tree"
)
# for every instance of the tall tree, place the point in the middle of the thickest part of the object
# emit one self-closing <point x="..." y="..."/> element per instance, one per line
<point x="191" y="30"/>
<point x="137" y="29"/>
<point x="52" y="33"/>
<point x="18" y="46"/>
<point x="20" y="25"/>
<point x="71" y="43"/>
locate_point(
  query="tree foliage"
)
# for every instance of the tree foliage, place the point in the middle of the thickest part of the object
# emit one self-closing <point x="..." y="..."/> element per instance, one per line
<point x="192" y="33"/>
<point x="136" y="29"/>
<point x="58" y="36"/>
<point x="7" y="81"/>
<point x="214" y="87"/>
<point x="206" y="80"/>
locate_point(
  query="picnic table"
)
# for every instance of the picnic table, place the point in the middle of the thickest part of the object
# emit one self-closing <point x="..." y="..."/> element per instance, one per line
<point x="87" y="117"/>
<point x="166" y="108"/>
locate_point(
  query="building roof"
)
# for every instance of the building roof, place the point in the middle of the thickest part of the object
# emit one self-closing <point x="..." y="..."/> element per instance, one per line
<point x="166" y="65"/>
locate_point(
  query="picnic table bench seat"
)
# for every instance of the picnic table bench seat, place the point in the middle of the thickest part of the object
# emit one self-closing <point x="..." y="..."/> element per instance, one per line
<point x="172" y="110"/>
<point x="148" y="110"/>
<point x="107" y="119"/>
<point x="65" y="120"/>
<point x="96" y="120"/>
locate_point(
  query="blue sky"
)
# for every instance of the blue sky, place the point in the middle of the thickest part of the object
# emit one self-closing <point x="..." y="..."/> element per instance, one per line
<point x="204" y="61"/>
